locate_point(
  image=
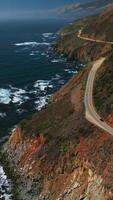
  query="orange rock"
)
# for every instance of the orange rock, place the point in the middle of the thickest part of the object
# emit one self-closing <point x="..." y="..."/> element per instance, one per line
<point x="82" y="146"/>
<point x="15" y="138"/>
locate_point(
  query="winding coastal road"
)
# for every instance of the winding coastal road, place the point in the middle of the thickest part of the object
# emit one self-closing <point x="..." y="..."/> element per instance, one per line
<point x="90" y="111"/>
<point x="92" y="40"/>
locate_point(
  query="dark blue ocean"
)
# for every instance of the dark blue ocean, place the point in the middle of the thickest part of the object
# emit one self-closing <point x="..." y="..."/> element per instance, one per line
<point x="30" y="70"/>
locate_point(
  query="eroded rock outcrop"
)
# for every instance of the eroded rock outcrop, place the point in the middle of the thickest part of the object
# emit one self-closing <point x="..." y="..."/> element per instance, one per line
<point x="82" y="170"/>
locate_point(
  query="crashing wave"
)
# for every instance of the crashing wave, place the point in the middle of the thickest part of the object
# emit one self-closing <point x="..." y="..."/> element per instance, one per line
<point x="43" y="84"/>
<point x="33" y="44"/>
<point x="5" y="96"/>
<point x="69" y="71"/>
<point x="46" y="35"/>
<point x="41" y="102"/>
<point x="4" y="184"/>
<point x="2" y="115"/>
<point x="60" y="60"/>
<point x="12" y="94"/>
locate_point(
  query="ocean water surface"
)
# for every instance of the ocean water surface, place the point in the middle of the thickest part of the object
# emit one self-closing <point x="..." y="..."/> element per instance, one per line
<point x="30" y="70"/>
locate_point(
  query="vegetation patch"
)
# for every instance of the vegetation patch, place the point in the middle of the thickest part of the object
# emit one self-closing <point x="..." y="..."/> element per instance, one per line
<point x="103" y="87"/>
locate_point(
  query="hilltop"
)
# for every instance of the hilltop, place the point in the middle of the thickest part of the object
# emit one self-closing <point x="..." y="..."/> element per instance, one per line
<point x="56" y="154"/>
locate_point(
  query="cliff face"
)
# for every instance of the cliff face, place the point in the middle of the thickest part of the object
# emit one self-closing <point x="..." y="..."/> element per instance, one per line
<point x="56" y="154"/>
<point x="64" y="178"/>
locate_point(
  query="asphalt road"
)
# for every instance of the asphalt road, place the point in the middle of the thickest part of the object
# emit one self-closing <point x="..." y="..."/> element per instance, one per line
<point x="90" y="111"/>
<point x="92" y="40"/>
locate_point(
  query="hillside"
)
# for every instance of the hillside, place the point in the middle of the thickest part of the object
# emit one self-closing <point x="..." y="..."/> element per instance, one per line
<point x="95" y="27"/>
<point x="104" y="95"/>
<point x="56" y="154"/>
<point x="103" y="26"/>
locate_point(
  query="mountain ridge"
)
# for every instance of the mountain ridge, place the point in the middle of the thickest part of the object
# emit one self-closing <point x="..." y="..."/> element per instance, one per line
<point x="81" y="9"/>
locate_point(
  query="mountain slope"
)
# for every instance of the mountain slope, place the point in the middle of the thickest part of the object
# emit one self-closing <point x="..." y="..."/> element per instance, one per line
<point x="103" y="27"/>
<point x="96" y="27"/>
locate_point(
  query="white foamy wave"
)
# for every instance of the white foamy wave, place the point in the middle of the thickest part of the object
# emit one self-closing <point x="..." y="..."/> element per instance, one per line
<point x="33" y="44"/>
<point x="20" y="111"/>
<point x="60" y="60"/>
<point x="5" y="96"/>
<point x="69" y="71"/>
<point x="19" y="96"/>
<point x="14" y="95"/>
<point x="41" y="102"/>
<point x="2" y="115"/>
<point x="57" y="77"/>
<point x="5" y="186"/>
<point x="46" y="35"/>
<point x="82" y="65"/>
<point x="43" y="84"/>
<point x="17" y="99"/>
<point x="43" y="54"/>
<point x="26" y="44"/>
<point x="45" y="43"/>
<point x="55" y="61"/>
<point x="34" y="53"/>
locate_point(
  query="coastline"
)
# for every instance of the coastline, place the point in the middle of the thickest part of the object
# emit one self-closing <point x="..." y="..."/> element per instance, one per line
<point x="10" y="175"/>
<point x="8" y="169"/>
<point x="7" y="163"/>
<point x="7" y="160"/>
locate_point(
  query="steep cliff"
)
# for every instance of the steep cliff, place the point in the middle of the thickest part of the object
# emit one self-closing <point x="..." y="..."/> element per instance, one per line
<point x="57" y="154"/>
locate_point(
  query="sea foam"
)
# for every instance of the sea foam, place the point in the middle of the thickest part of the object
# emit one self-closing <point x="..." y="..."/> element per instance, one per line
<point x="4" y="184"/>
<point x="12" y="94"/>
<point x="33" y="44"/>
<point x="41" y="102"/>
<point x="5" y="96"/>
<point x="2" y="115"/>
<point x="46" y="35"/>
<point x="43" y="84"/>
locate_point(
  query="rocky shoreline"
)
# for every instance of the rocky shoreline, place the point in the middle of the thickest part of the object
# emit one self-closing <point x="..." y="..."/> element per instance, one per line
<point x="11" y="174"/>
<point x="19" y="188"/>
